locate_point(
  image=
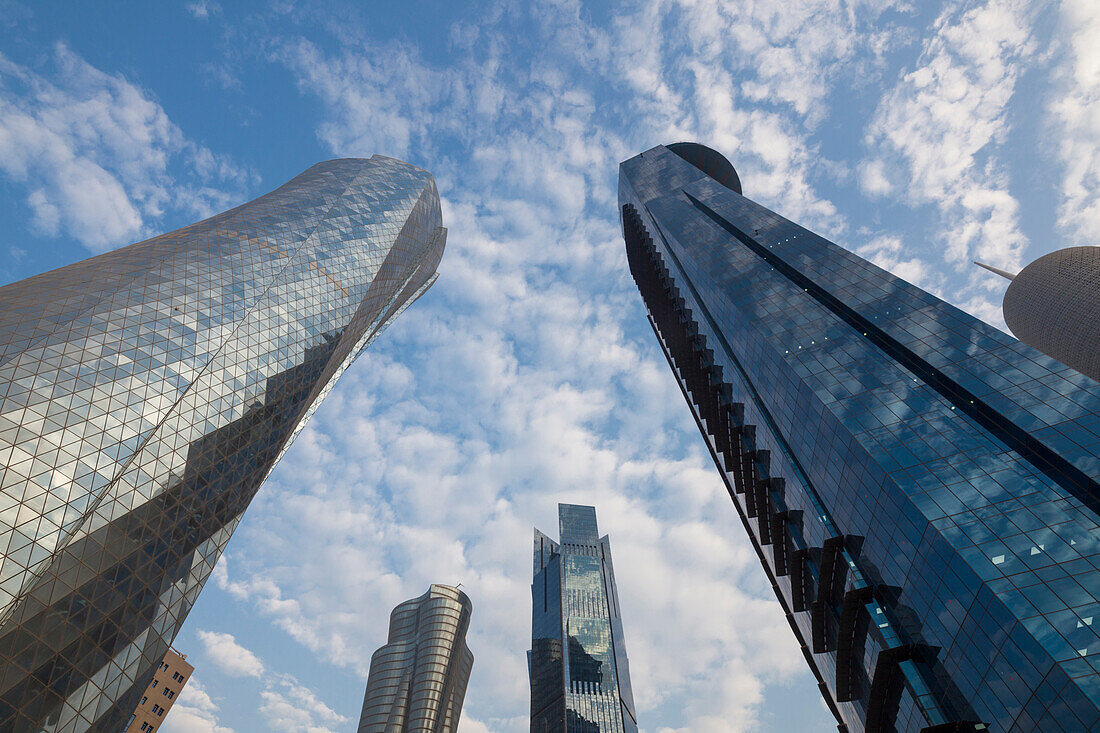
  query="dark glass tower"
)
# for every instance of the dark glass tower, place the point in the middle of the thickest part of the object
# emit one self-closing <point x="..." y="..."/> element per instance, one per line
<point x="580" y="680"/>
<point x="144" y="396"/>
<point x="418" y="680"/>
<point x="921" y="488"/>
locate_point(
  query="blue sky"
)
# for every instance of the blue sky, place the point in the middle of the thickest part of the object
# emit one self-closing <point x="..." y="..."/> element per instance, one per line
<point x="920" y="135"/>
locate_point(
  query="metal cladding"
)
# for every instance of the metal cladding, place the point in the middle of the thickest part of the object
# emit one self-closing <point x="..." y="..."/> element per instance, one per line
<point x="1054" y="306"/>
<point x="580" y="678"/>
<point x="921" y="488"/>
<point x="418" y="680"/>
<point x="146" y="393"/>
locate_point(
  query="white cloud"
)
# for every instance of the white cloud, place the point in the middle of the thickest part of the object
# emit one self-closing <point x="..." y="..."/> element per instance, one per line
<point x="1075" y="119"/>
<point x="754" y="80"/>
<point x="534" y="378"/>
<point x="203" y="9"/>
<point x="939" y="131"/>
<point x="873" y="179"/>
<point x="889" y="252"/>
<point x="230" y="657"/>
<point x="194" y="712"/>
<point x="786" y="54"/>
<point x="101" y="158"/>
<point x="290" y="707"/>
<point x="285" y="703"/>
<point x="535" y="381"/>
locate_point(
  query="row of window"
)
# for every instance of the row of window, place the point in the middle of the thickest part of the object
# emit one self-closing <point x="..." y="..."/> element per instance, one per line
<point x="817" y="573"/>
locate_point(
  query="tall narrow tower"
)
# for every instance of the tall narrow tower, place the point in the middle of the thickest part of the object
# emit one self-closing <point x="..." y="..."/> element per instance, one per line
<point x="580" y="680"/>
<point x="144" y="396"/>
<point x="417" y="681"/>
<point x="921" y="488"/>
<point x="1053" y="304"/>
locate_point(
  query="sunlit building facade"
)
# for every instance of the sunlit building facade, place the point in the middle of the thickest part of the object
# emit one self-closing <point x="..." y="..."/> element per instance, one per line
<point x="921" y="488"/>
<point x="146" y="393"/>
<point x="164" y="689"/>
<point x="417" y="681"/>
<point x="580" y="679"/>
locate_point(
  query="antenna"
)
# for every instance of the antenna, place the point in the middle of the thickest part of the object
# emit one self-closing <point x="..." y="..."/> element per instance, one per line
<point x="996" y="270"/>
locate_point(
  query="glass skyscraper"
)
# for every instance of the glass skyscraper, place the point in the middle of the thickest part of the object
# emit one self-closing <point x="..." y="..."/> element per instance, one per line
<point x="921" y="488"/>
<point x="146" y="393"/>
<point x="417" y="681"/>
<point x="580" y="680"/>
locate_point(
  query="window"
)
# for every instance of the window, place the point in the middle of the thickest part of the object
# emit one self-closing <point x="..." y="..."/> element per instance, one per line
<point x="147" y="728"/>
<point x="158" y="710"/>
<point x="168" y="693"/>
<point x="154" y="685"/>
<point x="144" y="700"/>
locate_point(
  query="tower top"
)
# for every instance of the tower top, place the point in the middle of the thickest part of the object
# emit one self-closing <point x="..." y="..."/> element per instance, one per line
<point x="577" y="524"/>
<point x="710" y="161"/>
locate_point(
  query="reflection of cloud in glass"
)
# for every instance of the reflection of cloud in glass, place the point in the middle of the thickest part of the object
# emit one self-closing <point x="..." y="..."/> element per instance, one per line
<point x="147" y="394"/>
<point x="574" y="598"/>
<point x="590" y="652"/>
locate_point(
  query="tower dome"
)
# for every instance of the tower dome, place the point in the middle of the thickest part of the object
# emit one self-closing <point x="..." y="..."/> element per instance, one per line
<point x="1053" y="305"/>
<point x="710" y="161"/>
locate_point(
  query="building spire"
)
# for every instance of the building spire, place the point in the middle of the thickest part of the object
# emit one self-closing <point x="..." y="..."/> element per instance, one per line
<point x="996" y="270"/>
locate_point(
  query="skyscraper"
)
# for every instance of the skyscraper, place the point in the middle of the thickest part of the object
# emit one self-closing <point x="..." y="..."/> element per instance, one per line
<point x="921" y="488"/>
<point x="168" y="682"/>
<point x="580" y="680"/>
<point x="418" y="680"/>
<point x="144" y="396"/>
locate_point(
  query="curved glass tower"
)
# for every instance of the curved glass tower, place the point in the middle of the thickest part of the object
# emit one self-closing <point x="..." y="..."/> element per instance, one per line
<point x="146" y="393"/>
<point x="417" y="681"/>
<point x="921" y="488"/>
<point x="580" y="679"/>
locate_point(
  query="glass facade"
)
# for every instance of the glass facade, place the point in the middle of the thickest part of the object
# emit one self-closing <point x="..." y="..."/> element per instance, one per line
<point x="417" y="681"/>
<point x="146" y="393"/>
<point x="580" y="680"/>
<point x="921" y="488"/>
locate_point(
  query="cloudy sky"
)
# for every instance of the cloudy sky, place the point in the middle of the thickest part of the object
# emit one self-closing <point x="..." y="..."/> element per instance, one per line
<point x="920" y="135"/>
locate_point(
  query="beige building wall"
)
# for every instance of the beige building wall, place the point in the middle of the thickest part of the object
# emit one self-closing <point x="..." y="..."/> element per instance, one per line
<point x="164" y="690"/>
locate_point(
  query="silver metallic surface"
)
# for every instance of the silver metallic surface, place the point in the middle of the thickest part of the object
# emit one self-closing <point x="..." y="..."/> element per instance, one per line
<point x="418" y="680"/>
<point x="144" y="396"/>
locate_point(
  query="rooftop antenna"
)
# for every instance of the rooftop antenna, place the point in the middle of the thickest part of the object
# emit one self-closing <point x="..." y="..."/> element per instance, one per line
<point x="996" y="270"/>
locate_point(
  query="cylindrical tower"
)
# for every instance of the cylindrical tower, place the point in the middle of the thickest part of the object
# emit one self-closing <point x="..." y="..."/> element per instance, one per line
<point x="417" y="681"/>
<point x="1053" y="305"/>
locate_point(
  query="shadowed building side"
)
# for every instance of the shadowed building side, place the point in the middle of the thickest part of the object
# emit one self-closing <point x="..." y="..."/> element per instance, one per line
<point x="417" y="681"/>
<point x="146" y="393"/>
